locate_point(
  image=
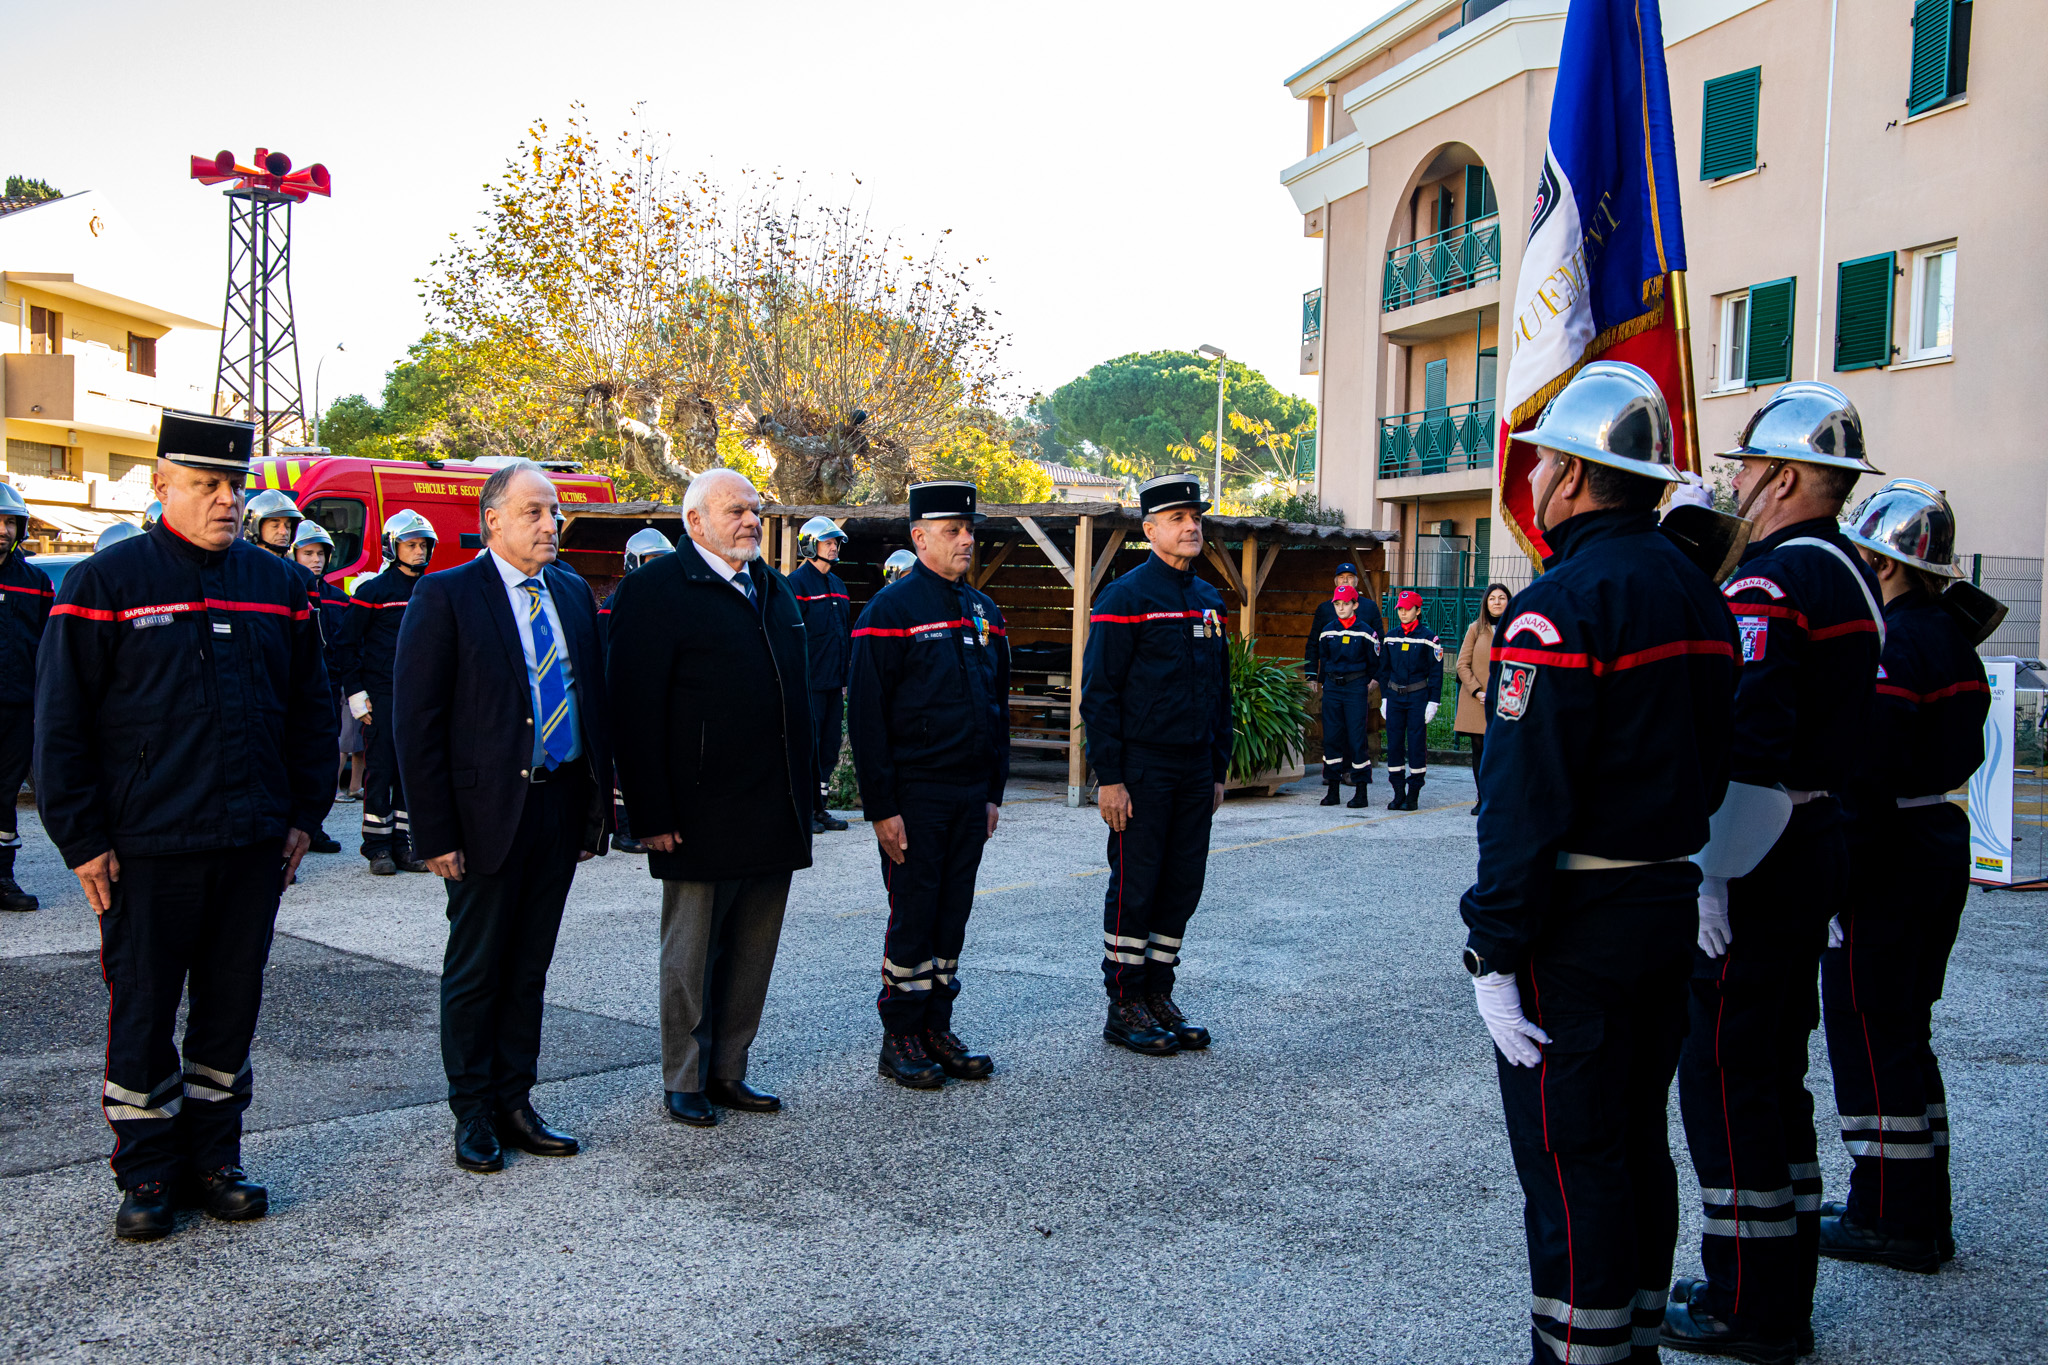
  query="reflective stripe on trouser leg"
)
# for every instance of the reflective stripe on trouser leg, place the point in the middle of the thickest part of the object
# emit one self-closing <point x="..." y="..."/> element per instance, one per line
<point x="385" y="831"/>
<point x="930" y="897"/>
<point x="1157" y="864"/>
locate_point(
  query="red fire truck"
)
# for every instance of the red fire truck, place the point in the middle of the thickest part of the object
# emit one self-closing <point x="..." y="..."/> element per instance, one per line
<point x="352" y="498"/>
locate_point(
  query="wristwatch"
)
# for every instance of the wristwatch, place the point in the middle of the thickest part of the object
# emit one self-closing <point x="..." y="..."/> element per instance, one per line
<point x="1476" y="964"/>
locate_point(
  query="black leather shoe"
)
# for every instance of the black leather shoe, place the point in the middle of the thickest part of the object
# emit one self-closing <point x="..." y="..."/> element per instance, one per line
<point x="529" y="1132"/>
<point x="228" y="1194"/>
<point x="817" y="824"/>
<point x="1334" y="796"/>
<point x="690" y="1106"/>
<point x="476" y="1145"/>
<point x="12" y="897"/>
<point x="145" y="1213"/>
<point x="412" y="865"/>
<point x="944" y="1047"/>
<point x="1689" y="1326"/>
<point x="1845" y="1240"/>
<point x="1173" y="1021"/>
<point x="383" y="867"/>
<point x="905" y="1062"/>
<point x="625" y="843"/>
<point x="1360" y="799"/>
<point x="322" y="843"/>
<point x="1131" y="1025"/>
<point x="832" y="822"/>
<point x="1944" y="1242"/>
<point x="740" y="1095"/>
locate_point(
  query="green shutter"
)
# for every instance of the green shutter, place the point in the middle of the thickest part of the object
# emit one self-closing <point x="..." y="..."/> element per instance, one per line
<point x="1863" y="312"/>
<point x="1479" y="198"/>
<point x="1304" y="455"/>
<point x="1436" y="385"/>
<point x="1933" y="21"/>
<point x="1728" y="124"/>
<point x="1770" y="332"/>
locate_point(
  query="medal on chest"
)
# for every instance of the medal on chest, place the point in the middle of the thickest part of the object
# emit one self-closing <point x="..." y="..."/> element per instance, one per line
<point x="978" y="633"/>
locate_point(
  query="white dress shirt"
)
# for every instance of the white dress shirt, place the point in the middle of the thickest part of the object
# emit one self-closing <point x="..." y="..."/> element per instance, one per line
<point x="516" y="595"/>
<point x="726" y="571"/>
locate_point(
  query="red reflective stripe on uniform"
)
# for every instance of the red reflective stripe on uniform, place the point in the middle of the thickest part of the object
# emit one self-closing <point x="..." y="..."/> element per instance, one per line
<point x="1556" y="658"/>
<point x="997" y="630"/>
<point x="169" y="608"/>
<point x="1792" y="614"/>
<point x="28" y="592"/>
<point x="822" y="597"/>
<point x="909" y="630"/>
<point x="267" y="608"/>
<point x="359" y="602"/>
<point x="89" y="613"/>
<point x="1149" y="616"/>
<point x="1657" y="653"/>
<point x="1952" y="690"/>
<point x="1862" y="623"/>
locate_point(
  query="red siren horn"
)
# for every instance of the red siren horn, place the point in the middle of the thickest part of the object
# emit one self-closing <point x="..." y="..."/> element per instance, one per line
<point x="277" y="163"/>
<point x="321" y="181"/>
<point x="223" y="163"/>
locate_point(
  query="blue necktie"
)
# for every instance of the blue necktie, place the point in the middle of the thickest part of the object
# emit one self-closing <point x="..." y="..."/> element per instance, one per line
<point x="554" y="688"/>
<point x="745" y="581"/>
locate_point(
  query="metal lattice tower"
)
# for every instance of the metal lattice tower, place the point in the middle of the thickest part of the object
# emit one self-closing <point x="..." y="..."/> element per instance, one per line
<point x="259" y="347"/>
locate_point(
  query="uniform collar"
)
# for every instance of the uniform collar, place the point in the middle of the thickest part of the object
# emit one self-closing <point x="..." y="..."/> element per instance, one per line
<point x="185" y="549"/>
<point x="950" y="584"/>
<point x="1159" y="565"/>
<point x="1825" y="528"/>
<point x="1913" y="599"/>
<point x="1572" y="535"/>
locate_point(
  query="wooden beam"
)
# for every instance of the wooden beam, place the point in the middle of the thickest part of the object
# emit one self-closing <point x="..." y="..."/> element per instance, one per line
<point x="1102" y="561"/>
<point x="1266" y="567"/>
<point x="1224" y="567"/>
<point x="995" y="562"/>
<point x="1084" y="601"/>
<point x="1052" y="551"/>
<point x="1247" y="613"/>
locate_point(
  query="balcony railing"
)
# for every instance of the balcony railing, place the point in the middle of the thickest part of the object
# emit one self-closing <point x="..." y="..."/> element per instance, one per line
<point x="1442" y="263"/>
<point x="1437" y="441"/>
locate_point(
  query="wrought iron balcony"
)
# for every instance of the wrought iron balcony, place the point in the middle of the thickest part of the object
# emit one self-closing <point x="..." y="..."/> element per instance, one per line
<point x="1437" y="440"/>
<point x="1442" y="263"/>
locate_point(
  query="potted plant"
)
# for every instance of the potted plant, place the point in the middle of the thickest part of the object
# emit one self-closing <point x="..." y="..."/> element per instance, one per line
<point x="1269" y="716"/>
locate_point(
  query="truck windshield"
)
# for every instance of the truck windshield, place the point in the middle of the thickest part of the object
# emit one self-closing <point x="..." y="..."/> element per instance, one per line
<point x="342" y="518"/>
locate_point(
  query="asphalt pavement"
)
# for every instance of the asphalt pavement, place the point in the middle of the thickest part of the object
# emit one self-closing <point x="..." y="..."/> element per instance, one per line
<point x="1329" y="1182"/>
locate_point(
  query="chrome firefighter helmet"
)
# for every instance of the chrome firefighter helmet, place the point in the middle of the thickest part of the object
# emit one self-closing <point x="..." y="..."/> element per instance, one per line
<point x="407" y="525"/>
<point x="1807" y="421"/>
<point x="311" y="532"/>
<point x="645" y="544"/>
<point x="1614" y="414"/>
<point x="814" y="531"/>
<point x="897" y="565"/>
<point x="1909" y="521"/>
<point x="115" y="534"/>
<point x="152" y="514"/>
<point x="12" y="504"/>
<point x="270" y="505"/>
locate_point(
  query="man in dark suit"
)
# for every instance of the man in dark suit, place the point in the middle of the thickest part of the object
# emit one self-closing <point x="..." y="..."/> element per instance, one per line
<point x="707" y="653"/>
<point x="502" y="731"/>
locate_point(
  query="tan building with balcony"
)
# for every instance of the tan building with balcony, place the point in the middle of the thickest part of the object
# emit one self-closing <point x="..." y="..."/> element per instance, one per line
<point x="1836" y="164"/>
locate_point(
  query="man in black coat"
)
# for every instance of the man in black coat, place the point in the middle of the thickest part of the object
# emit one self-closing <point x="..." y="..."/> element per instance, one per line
<point x="707" y="653"/>
<point x="502" y="736"/>
<point x="828" y="624"/>
<point x="25" y="596"/>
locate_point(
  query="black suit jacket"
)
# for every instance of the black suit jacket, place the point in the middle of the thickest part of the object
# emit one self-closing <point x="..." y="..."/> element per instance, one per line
<point x="465" y="711"/>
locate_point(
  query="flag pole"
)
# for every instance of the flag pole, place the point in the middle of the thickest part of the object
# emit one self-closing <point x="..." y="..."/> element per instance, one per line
<point x="1681" y="318"/>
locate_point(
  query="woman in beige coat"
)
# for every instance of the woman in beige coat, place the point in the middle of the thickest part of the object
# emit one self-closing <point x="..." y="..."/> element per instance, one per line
<point x="1473" y="657"/>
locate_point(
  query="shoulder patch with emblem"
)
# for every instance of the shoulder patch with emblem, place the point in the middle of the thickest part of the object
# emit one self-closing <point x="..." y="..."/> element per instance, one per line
<point x="1757" y="581"/>
<point x="1517" y="681"/>
<point x="1537" y="624"/>
<point x="1756" y="633"/>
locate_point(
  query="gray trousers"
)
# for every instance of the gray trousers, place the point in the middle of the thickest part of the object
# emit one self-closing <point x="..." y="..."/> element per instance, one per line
<point x="718" y="942"/>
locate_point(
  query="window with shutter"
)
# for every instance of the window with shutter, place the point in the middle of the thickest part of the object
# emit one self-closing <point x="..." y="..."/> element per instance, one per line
<point x="1863" y="312"/>
<point x="1479" y="200"/>
<point x="1941" y="54"/>
<point x="1436" y="386"/>
<point x="1769" y="349"/>
<point x="1728" y="124"/>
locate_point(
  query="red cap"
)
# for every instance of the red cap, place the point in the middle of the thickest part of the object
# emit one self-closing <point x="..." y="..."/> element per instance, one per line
<point x="1347" y="593"/>
<point x="1408" y="599"/>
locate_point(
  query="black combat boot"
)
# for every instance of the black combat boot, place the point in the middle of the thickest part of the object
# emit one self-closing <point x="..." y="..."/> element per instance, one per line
<point x="1413" y="801"/>
<point x="1334" y="795"/>
<point x="1174" y="1022"/>
<point x="1846" y="1240"/>
<point x="1362" y="797"/>
<point x="1130" y="1024"/>
<point x="1944" y="1241"/>
<point x="227" y="1193"/>
<point x="383" y="866"/>
<point x="945" y="1048"/>
<point x="145" y="1213"/>
<point x="905" y="1062"/>
<point x="12" y="897"/>
<point x="322" y="842"/>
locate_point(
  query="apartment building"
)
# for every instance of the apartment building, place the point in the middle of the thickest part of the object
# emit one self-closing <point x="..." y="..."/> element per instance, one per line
<point x="1856" y="210"/>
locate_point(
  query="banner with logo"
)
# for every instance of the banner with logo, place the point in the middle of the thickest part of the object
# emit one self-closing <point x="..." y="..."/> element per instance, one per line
<point x="1991" y="854"/>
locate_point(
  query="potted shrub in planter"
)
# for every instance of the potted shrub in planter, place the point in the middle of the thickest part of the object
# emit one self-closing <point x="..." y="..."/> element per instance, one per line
<point x="1269" y="714"/>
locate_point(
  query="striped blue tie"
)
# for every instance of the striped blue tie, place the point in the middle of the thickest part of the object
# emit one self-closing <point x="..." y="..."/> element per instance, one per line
<point x="554" y="688"/>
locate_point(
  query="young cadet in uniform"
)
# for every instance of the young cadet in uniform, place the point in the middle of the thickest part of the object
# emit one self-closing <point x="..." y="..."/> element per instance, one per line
<point x="828" y="625"/>
<point x="311" y="548"/>
<point x="642" y="546"/>
<point x="1411" y="686"/>
<point x="369" y="648"/>
<point x="25" y="596"/>
<point x="1606" y="750"/>
<point x="1348" y="652"/>
<point x="1325" y="613"/>
<point x="1909" y="876"/>
<point x="1155" y="698"/>
<point x="1811" y="631"/>
<point x="184" y="747"/>
<point x="270" y="522"/>
<point x="930" y="720"/>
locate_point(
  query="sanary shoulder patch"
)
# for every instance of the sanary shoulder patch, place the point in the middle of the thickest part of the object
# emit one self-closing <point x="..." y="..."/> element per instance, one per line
<point x="1769" y="589"/>
<point x="1517" y="681"/>
<point x="1536" y="623"/>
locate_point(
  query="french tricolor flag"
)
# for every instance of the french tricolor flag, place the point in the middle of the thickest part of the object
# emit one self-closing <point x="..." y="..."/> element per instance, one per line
<point x="1603" y="274"/>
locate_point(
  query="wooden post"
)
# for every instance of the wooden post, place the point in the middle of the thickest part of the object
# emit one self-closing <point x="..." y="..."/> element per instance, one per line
<point x="789" y="545"/>
<point x="1084" y="595"/>
<point x="1249" y="573"/>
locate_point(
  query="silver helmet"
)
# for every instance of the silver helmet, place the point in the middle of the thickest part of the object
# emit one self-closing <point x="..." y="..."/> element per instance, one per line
<point x="1807" y="421"/>
<point x="407" y="525"/>
<point x="270" y="505"/>
<point x="815" y="530"/>
<point x="12" y="504"/>
<point x="1613" y="414"/>
<point x="311" y="532"/>
<point x="152" y="514"/>
<point x="1909" y="521"/>
<point x="897" y="565"/>
<point x="645" y="544"/>
<point x="115" y="534"/>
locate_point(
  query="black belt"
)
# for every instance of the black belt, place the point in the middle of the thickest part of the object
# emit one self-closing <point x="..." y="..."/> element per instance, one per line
<point x="1407" y="687"/>
<point x="1348" y="677"/>
<point x="541" y="776"/>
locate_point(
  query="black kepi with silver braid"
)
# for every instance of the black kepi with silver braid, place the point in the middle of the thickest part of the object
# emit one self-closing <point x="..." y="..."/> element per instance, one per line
<point x="198" y="440"/>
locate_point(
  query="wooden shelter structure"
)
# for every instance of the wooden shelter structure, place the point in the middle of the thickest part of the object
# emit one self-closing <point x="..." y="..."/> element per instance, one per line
<point x="1043" y="563"/>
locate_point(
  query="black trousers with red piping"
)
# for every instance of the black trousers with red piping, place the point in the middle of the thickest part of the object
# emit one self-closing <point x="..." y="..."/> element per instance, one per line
<point x="1742" y="1079"/>
<point x="1156" y="866"/>
<point x="17" y="742"/>
<point x="197" y="921"/>
<point x="1587" y="1125"/>
<point x="930" y="896"/>
<point x="1878" y="989"/>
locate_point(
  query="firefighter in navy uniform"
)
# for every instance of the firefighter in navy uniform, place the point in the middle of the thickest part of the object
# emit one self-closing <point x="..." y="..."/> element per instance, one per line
<point x="929" y="713"/>
<point x="1811" y="630"/>
<point x="369" y="648"/>
<point x="1311" y="661"/>
<point x="310" y="551"/>
<point x="1348" y="656"/>
<point x="642" y="546"/>
<point x="184" y="747"/>
<point x="271" y="522"/>
<point x="1606" y="753"/>
<point x="1909" y="876"/>
<point x="25" y="597"/>
<point x="828" y="627"/>
<point x="1411" y="689"/>
<point x="1155" y="699"/>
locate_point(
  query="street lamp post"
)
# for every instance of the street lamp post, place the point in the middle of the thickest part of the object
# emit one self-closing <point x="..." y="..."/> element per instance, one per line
<point x="1216" y="489"/>
<point x="337" y="346"/>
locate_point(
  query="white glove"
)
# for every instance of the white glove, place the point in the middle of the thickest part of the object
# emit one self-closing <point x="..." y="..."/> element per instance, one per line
<point x="1835" y="938"/>
<point x="1692" y="493"/>
<point x="1383" y="709"/>
<point x="1715" y="935"/>
<point x="359" y="704"/>
<point x="1429" y="711"/>
<point x="1500" y="1005"/>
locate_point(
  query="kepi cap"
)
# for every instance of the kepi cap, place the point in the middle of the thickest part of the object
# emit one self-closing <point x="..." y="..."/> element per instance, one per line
<point x="199" y="440"/>
<point x="1170" y="490"/>
<point x="943" y="499"/>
